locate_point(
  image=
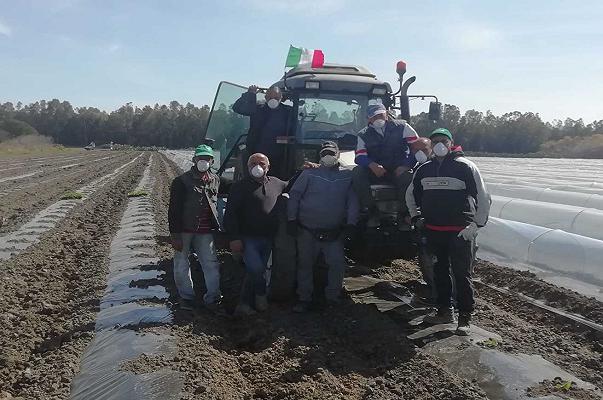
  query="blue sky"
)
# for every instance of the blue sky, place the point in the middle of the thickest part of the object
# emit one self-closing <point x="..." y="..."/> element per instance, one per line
<point x="541" y="56"/>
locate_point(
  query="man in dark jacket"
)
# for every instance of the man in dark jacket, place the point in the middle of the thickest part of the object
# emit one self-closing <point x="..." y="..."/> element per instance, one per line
<point x="322" y="210"/>
<point x="267" y="120"/>
<point x="192" y="218"/>
<point x="383" y="154"/>
<point x="251" y="221"/>
<point x="448" y="193"/>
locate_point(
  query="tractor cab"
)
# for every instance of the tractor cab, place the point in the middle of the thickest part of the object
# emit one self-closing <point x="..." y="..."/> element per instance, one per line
<point x="328" y="103"/>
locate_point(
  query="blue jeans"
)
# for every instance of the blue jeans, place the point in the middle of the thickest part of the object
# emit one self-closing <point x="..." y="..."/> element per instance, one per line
<point x="256" y="253"/>
<point x="203" y="245"/>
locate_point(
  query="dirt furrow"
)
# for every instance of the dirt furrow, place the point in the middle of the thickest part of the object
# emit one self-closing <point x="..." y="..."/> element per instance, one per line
<point x="19" y="206"/>
<point x="50" y="295"/>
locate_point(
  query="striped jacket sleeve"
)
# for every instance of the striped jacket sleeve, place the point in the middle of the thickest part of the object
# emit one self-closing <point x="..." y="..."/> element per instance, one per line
<point x="477" y="189"/>
<point x="362" y="157"/>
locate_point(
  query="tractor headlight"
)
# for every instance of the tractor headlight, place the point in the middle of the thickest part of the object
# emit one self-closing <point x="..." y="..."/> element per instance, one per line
<point x="312" y="85"/>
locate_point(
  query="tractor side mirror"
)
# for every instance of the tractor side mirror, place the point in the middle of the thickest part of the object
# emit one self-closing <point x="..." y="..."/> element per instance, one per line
<point x="435" y="111"/>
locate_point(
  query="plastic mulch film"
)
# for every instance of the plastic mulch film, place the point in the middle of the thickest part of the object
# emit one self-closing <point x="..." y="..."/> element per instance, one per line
<point x="578" y="220"/>
<point x="549" y="249"/>
<point x="128" y="304"/>
<point x="183" y="158"/>
<point x="547" y="195"/>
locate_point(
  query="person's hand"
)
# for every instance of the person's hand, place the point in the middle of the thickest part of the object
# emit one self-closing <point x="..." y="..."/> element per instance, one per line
<point x="377" y="169"/>
<point x="292" y="228"/>
<point x="310" y="165"/>
<point x="253" y="89"/>
<point x="470" y="232"/>
<point x="400" y="170"/>
<point x="177" y="244"/>
<point x="418" y="222"/>
<point x="349" y="231"/>
<point x="236" y="246"/>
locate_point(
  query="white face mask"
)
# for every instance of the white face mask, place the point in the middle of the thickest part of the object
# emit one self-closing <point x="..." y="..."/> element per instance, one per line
<point x="273" y="103"/>
<point x="257" y="171"/>
<point x="420" y="156"/>
<point x="328" y="160"/>
<point x="378" y="124"/>
<point x="203" y="165"/>
<point x="440" y="149"/>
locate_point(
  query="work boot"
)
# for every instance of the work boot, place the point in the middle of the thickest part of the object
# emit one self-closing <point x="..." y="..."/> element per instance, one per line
<point x="443" y="316"/>
<point x="215" y="307"/>
<point x="186" y="304"/>
<point x="244" y="310"/>
<point x="301" y="307"/>
<point x="261" y="303"/>
<point x="464" y="326"/>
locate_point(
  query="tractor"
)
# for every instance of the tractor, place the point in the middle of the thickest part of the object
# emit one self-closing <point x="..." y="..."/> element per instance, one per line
<point x="329" y="103"/>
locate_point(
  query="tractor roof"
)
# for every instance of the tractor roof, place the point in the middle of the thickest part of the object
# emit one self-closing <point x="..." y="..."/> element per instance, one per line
<point x="333" y="77"/>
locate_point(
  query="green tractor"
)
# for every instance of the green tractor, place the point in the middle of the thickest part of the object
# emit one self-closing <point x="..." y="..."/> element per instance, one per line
<point x="329" y="103"/>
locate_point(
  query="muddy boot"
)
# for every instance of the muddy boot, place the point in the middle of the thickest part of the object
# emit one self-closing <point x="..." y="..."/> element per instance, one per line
<point x="216" y="308"/>
<point x="464" y="327"/>
<point x="244" y="310"/>
<point x="301" y="307"/>
<point x="186" y="305"/>
<point x="443" y="316"/>
<point x="261" y="303"/>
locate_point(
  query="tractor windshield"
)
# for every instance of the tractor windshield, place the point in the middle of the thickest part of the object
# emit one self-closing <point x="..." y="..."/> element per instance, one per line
<point x="225" y="126"/>
<point x="329" y="117"/>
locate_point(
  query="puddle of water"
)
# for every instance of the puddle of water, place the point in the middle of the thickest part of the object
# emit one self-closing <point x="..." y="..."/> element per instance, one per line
<point x="116" y="339"/>
<point x="29" y="234"/>
<point x="501" y="375"/>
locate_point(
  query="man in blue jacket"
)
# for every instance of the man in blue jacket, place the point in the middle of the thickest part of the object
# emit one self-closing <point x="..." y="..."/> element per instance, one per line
<point x="383" y="155"/>
<point x="322" y="210"/>
<point x="449" y="196"/>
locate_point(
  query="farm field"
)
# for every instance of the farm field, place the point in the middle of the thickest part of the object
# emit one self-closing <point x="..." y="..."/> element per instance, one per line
<point x="87" y="298"/>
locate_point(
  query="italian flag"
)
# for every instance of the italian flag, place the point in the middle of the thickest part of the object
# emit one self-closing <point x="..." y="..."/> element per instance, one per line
<point x="301" y="56"/>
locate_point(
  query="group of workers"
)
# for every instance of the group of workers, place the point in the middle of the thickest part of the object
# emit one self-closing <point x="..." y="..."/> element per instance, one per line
<point x="441" y="193"/>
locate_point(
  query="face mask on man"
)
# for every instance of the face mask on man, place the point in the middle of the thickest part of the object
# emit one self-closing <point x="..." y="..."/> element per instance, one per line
<point x="420" y="156"/>
<point x="257" y="171"/>
<point x="273" y="103"/>
<point x="378" y="123"/>
<point x="440" y="149"/>
<point x="203" y="165"/>
<point x="328" y="160"/>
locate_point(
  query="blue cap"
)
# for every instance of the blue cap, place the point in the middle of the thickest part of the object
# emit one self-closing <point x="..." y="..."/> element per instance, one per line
<point x="375" y="109"/>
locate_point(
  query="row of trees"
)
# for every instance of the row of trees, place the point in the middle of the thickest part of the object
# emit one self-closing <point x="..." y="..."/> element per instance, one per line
<point x="176" y="125"/>
<point x="513" y="132"/>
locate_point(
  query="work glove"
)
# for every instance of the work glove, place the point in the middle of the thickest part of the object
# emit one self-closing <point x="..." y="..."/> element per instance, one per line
<point x="349" y="231"/>
<point x="292" y="227"/>
<point x="418" y="222"/>
<point x="470" y="232"/>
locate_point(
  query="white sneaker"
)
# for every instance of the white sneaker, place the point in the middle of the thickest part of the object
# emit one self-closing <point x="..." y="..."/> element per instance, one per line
<point x="261" y="303"/>
<point x="243" y="310"/>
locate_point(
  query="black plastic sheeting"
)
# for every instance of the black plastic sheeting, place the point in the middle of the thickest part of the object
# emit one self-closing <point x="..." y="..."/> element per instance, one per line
<point x="128" y="305"/>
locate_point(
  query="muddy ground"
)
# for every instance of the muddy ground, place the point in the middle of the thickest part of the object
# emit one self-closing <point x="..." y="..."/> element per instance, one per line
<point x="50" y="295"/>
<point x="21" y="200"/>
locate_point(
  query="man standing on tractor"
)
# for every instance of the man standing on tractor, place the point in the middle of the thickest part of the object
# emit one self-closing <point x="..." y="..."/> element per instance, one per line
<point x="192" y="218"/>
<point x="251" y="221"/>
<point x="267" y="121"/>
<point x="448" y="193"/>
<point x="322" y="210"/>
<point x="383" y="154"/>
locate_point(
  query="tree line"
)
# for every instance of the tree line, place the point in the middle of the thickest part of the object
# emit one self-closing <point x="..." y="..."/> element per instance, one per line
<point x="176" y="126"/>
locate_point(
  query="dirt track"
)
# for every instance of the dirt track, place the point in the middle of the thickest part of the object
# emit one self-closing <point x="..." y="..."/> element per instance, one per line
<point x="50" y="296"/>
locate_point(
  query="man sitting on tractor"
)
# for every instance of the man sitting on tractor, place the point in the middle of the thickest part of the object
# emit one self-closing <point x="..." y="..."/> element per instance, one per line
<point x="383" y="156"/>
<point x="267" y="121"/>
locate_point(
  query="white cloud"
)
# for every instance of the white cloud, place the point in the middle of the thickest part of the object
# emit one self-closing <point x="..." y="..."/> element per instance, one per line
<point x="475" y="38"/>
<point x="298" y="7"/>
<point x="114" y="47"/>
<point x="5" y="29"/>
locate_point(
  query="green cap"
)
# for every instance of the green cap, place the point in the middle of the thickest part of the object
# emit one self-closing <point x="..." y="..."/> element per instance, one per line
<point x="441" y="131"/>
<point x="204" y="150"/>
